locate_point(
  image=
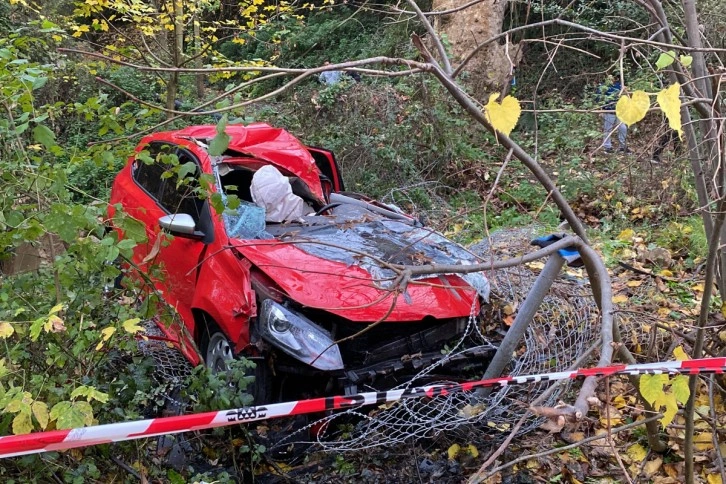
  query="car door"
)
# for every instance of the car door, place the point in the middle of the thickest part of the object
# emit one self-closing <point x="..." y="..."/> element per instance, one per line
<point x="173" y="261"/>
<point x="328" y="166"/>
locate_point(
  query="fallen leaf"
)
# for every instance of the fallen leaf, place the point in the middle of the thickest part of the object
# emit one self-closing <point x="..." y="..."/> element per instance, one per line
<point x="619" y="401"/>
<point x="453" y="451"/>
<point x="626" y="235"/>
<point x="680" y="354"/>
<point x="703" y="441"/>
<point x="714" y="479"/>
<point x="634" y="283"/>
<point x="637" y="452"/>
<point x="620" y="298"/>
<point x="652" y="466"/>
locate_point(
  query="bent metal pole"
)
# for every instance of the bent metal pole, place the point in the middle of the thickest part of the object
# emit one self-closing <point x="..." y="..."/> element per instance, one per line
<point x="16" y="445"/>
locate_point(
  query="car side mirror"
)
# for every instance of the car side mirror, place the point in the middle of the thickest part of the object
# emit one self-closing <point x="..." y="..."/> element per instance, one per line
<point x="181" y="224"/>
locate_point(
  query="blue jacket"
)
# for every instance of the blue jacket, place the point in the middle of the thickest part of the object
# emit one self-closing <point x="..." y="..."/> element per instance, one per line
<point x="608" y="95"/>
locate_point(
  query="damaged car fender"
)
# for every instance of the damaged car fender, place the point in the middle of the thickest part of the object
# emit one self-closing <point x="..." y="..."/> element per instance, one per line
<point x="226" y="296"/>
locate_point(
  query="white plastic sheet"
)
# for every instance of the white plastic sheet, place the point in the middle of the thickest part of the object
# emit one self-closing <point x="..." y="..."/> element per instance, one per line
<point x="271" y="190"/>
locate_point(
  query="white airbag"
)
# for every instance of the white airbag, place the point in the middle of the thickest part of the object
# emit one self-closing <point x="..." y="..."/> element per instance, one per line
<point x="271" y="190"/>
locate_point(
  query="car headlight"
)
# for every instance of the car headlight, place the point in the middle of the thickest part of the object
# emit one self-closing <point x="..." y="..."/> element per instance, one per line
<point x="299" y="337"/>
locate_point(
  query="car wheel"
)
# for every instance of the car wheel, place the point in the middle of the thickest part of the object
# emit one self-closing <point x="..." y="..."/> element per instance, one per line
<point x="218" y="352"/>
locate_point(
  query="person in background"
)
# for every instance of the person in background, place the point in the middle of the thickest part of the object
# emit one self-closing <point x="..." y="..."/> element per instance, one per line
<point x="334" y="77"/>
<point x="330" y="77"/>
<point x="608" y="94"/>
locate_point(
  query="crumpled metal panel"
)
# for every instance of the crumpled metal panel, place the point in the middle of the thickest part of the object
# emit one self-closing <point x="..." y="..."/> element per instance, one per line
<point x="339" y="262"/>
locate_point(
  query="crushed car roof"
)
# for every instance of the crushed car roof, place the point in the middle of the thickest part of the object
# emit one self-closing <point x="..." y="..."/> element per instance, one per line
<point x="262" y="141"/>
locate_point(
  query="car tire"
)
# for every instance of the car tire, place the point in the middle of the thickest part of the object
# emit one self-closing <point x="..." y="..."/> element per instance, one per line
<point x="217" y="351"/>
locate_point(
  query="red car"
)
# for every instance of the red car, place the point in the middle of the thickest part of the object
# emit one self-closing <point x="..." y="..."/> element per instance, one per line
<point x="289" y="269"/>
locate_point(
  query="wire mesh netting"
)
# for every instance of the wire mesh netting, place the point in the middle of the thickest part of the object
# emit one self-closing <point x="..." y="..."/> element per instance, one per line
<point x="565" y="326"/>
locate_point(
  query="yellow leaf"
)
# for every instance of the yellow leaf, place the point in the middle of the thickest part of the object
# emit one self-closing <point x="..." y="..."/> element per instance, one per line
<point x="472" y="450"/>
<point x="714" y="479"/>
<point x="667" y="402"/>
<point x="637" y="452"/>
<point x="107" y="333"/>
<point x="22" y="424"/>
<point x="620" y="298"/>
<point x="665" y="273"/>
<point x="55" y="309"/>
<point x="131" y="325"/>
<point x="626" y="235"/>
<point x="40" y="410"/>
<point x="630" y="110"/>
<point x="686" y="60"/>
<point x="633" y="283"/>
<point x="503" y="116"/>
<point x="723" y="309"/>
<point x="680" y="389"/>
<point x="508" y="309"/>
<point x="619" y="402"/>
<point x="536" y="265"/>
<point x="453" y="451"/>
<point x="703" y="441"/>
<point x="680" y="354"/>
<point x="670" y="103"/>
<point x="6" y="329"/>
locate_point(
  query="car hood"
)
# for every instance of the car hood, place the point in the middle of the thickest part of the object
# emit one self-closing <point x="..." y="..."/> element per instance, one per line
<point x="339" y="264"/>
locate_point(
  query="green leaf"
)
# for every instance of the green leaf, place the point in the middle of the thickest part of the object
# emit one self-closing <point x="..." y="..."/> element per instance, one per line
<point x="679" y="386"/>
<point x="665" y="59"/>
<point x="90" y="393"/>
<point x="132" y="229"/>
<point x="71" y="415"/>
<point x="43" y="135"/>
<point x="233" y="202"/>
<point x="217" y="203"/>
<point x="35" y="328"/>
<point x="651" y="386"/>
<point x="686" y="60"/>
<point x="3" y="369"/>
<point x="126" y="244"/>
<point x="188" y="168"/>
<point x="220" y="142"/>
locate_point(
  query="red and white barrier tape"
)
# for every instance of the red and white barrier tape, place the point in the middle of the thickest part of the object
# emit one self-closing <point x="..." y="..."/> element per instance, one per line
<point x="15" y="445"/>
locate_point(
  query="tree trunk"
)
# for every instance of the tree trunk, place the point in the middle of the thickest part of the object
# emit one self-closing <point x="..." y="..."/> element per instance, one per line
<point x="493" y="68"/>
<point x="177" y="56"/>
